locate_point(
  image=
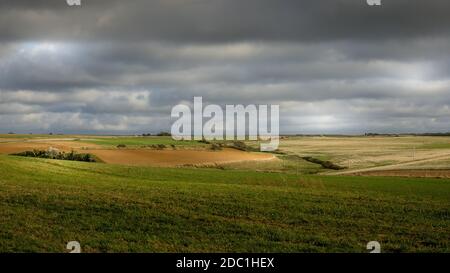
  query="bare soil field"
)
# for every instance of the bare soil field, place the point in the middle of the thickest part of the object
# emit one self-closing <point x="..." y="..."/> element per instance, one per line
<point x="167" y="158"/>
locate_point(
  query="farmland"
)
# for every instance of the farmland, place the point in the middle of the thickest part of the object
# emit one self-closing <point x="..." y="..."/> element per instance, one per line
<point x="284" y="204"/>
<point x="143" y="151"/>
<point x="358" y="153"/>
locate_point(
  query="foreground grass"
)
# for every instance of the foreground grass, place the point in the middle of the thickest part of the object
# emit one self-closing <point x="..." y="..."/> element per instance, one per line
<point x="46" y="203"/>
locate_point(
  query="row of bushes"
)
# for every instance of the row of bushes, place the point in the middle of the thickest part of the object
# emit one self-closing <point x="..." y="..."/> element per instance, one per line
<point x="215" y="146"/>
<point x="159" y="146"/>
<point x="158" y="134"/>
<point x="73" y="156"/>
<point x="239" y="145"/>
<point x="153" y="146"/>
<point x="325" y="164"/>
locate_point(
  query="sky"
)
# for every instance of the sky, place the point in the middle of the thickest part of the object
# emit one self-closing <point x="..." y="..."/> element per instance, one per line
<point x="118" y="67"/>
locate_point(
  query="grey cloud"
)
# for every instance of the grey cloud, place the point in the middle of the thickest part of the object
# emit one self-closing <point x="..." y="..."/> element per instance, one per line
<point x="115" y="66"/>
<point x="223" y="20"/>
<point x="159" y="66"/>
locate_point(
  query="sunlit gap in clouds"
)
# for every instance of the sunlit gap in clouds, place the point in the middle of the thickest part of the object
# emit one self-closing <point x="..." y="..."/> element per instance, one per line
<point x="47" y="49"/>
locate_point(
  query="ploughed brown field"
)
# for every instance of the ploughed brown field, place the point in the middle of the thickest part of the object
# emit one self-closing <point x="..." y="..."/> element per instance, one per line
<point x="176" y="157"/>
<point x="140" y="157"/>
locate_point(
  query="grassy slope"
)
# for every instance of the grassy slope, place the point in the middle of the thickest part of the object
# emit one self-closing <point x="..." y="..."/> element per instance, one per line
<point x="46" y="203"/>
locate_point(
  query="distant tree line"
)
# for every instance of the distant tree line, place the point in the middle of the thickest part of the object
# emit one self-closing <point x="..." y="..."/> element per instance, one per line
<point x="409" y="134"/>
<point x="158" y="134"/>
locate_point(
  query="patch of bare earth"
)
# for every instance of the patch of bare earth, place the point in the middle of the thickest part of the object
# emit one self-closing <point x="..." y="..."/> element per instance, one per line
<point x="171" y="158"/>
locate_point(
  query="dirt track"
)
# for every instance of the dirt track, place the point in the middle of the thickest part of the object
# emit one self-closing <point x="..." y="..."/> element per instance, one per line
<point x="140" y="157"/>
<point x="408" y="173"/>
<point x="393" y="167"/>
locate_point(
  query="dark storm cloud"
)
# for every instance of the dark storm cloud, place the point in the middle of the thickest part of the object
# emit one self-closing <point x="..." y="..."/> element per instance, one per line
<point x="222" y="20"/>
<point x="119" y="66"/>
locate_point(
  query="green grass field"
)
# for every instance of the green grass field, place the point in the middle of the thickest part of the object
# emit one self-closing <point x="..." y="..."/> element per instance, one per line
<point x="109" y="141"/>
<point x="31" y="136"/>
<point x="108" y="208"/>
<point x="140" y="141"/>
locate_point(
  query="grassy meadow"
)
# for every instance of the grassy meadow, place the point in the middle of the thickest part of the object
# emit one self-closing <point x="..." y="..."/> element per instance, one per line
<point x="110" y="208"/>
<point x="137" y="142"/>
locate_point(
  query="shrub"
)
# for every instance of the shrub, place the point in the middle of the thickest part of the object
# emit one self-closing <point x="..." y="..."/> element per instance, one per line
<point x="204" y="141"/>
<point x="121" y="146"/>
<point x="158" y="146"/>
<point x="161" y="146"/>
<point x="72" y="156"/>
<point x="216" y="147"/>
<point x="240" y="145"/>
<point x="325" y="164"/>
<point x="164" y="134"/>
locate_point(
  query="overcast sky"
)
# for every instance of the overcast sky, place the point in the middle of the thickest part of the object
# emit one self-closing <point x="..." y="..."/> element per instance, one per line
<point x="118" y="67"/>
